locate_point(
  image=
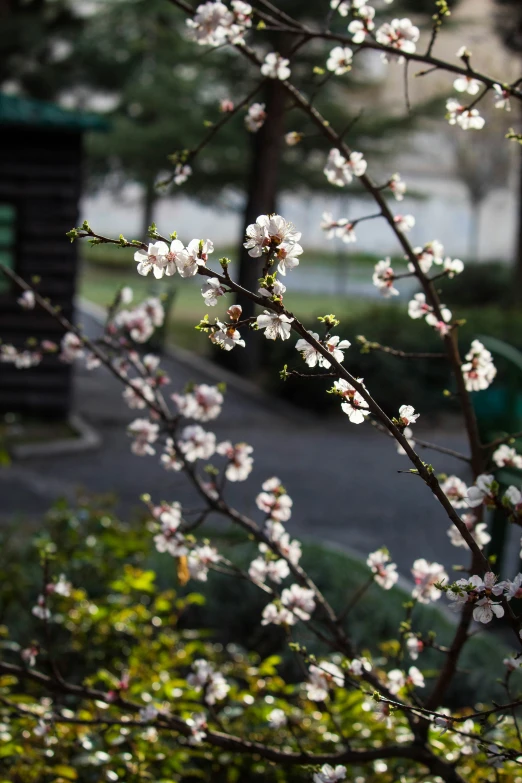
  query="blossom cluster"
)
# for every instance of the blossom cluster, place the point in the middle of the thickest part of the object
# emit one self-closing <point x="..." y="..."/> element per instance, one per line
<point x="478" y="369"/>
<point x="340" y="171"/>
<point x="214" y="24"/>
<point x="160" y="259"/>
<point x="418" y="307"/>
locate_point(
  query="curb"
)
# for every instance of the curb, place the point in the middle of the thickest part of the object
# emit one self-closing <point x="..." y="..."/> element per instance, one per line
<point x="87" y="439"/>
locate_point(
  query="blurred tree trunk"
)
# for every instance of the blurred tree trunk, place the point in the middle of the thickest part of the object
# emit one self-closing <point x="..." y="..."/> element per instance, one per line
<point x="149" y="202"/>
<point x="474" y="229"/>
<point x="261" y="199"/>
<point x="517" y="271"/>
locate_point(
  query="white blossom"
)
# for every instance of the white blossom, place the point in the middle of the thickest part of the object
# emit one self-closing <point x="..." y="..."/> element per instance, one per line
<point x="359" y="28"/>
<point x="453" y="266"/>
<point x="338" y="228"/>
<point x="261" y="569"/>
<point x="397" y="187"/>
<point x="385" y="571"/>
<point x="269" y="232"/>
<point x="485" y="609"/>
<point x="355" y="406"/>
<point x="199" y="560"/>
<point x="401" y="34"/>
<point x="202" y="403"/>
<point x="211" y="290"/>
<point x="343" y="7"/>
<point x="340" y="60"/>
<point x="398" y="679"/>
<point x="198" y="726"/>
<point x="425" y="575"/>
<point x="26" y="300"/>
<point x="340" y="171"/>
<point x="277" y="289"/>
<point x="456" y="491"/>
<point x="182" y="171"/>
<point x="404" y="222"/>
<point x="383" y="278"/>
<point x="41" y="729"/>
<point x="483" y="490"/>
<point x="240" y="462"/>
<point x="255" y="117"/>
<point x="204" y="678"/>
<point x="61" y="587"/>
<point x="274" y="501"/>
<point x="276" y="67"/>
<point x="335" y="346"/>
<point x="226" y="337"/>
<point x="148" y="713"/>
<point x="467" y="84"/>
<point x="214" y="24"/>
<point x="71" y="347"/>
<point x="407" y="415"/>
<point x="467" y="119"/>
<point x="329" y="774"/>
<point x="292" y="138"/>
<point x="480" y="592"/>
<point x="415" y="646"/>
<point x="513" y="589"/>
<point x="169" y="459"/>
<point x="144" y="432"/>
<point x="195" y="255"/>
<point x="432" y="252"/>
<point x="40" y="610"/>
<point x="196" y="443"/>
<point x="478" y="531"/>
<point x="286" y="255"/>
<point x="478" y="369"/>
<point x="506" y="456"/>
<point x="512" y="662"/>
<point x="513" y="496"/>
<point x="138" y="393"/>
<point x="321" y="679"/>
<point x="299" y="600"/>
<point x="275" y="325"/>
<point x="358" y="666"/>
<point x="501" y="98"/>
<point x="276" y="718"/>
<point x="408" y="434"/>
<point x="274" y="614"/>
<point x="169" y="539"/>
<point x="153" y="260"/>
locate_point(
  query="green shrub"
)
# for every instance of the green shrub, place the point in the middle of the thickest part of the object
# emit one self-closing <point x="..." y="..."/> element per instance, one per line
<point x="479" y="285"/>
<point x="392" y="381"/>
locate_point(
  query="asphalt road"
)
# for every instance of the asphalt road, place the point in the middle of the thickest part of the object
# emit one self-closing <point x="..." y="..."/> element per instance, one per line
<point x="343" y="478"/>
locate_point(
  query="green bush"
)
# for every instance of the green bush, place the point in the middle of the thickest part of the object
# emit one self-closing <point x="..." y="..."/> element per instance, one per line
<point x="392" y="381"/>
<point x="94" y="549"/>
<point x="479" y="285"/>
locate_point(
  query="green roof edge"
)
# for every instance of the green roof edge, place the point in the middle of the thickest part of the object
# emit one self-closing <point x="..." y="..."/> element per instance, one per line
<point x="17" y="110"/>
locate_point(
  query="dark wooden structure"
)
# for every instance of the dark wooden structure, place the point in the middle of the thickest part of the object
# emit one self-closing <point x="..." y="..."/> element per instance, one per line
<point x="40" y="185"/>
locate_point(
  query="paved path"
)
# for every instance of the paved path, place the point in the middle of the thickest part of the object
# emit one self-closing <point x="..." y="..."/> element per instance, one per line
<point x="343" y="477"/>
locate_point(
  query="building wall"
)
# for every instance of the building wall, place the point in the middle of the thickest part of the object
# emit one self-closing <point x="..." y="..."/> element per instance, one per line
<point x="40" y="175"/>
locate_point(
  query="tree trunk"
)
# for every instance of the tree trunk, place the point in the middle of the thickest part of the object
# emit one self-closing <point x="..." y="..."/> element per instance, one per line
<point x="261" y="199"/>
<point x="517" y="271"/>
<point x="149" y="202"/>
<point x="474" y="231"/>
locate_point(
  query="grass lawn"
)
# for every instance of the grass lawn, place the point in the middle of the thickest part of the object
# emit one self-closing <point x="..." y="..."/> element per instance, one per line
<point x="118" y="257"/>
<point x="98" y="284"/>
